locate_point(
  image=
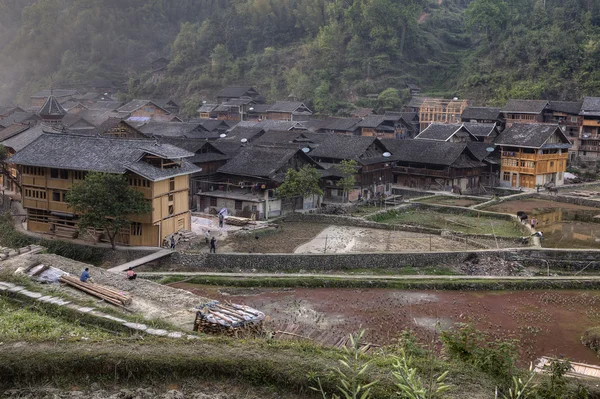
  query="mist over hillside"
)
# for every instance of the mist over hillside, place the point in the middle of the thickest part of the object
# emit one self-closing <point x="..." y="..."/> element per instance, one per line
<point x="328" y="52"/>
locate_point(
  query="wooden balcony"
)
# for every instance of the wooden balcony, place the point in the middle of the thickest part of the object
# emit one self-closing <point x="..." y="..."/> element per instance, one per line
<point x="518" y="169"/>
<point x="35" y="204"/>
<point x="62" y="184"/>
<point x="59" y="207"/>
<point x="519" y="155"/>
<point x="30" y="180"/>
<point x="421" y="171"/>
<point x="147" y="191"/>
<point x="590" y="148"/>
<point x="545" y="157"/>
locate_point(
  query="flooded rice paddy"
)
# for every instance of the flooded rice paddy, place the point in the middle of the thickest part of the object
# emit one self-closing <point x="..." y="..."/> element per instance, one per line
<point x="545" y="322"/>
<point x="564" y="225"/>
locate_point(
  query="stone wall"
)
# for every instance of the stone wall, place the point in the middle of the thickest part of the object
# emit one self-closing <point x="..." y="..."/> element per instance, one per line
<point x="569" y="200"/>
<point x="573" y="260"/>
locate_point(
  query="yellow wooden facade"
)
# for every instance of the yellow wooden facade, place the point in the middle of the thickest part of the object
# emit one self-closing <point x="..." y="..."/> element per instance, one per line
<point x="437" y="110"/>
<point x="528" y="167"/>
<point x="43" y="196"/>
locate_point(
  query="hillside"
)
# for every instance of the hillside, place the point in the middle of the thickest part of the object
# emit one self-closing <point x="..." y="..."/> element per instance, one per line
<point x="328" y="52"/>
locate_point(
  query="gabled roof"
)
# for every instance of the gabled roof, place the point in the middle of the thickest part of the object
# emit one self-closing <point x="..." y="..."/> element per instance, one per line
<point x="108" y="155"/>
<point x="339" y="124"/>
<point x="441" y="132"/>
<point x="207" y="108"/>
<point x="374" y="121"/>
<point x="56" y="93"/>
<point x="12" y="130"/>
<point x="212" y="125"/>
<point x="336" y="146"/>
<point x="10" y="109"/>
<point x="204" y="151"/>
<point x="590" y="106"/>
<point x="567" y="107"/>
<point x="293" y="138"/>
<point x="19" y="117"/>
<point x="481" y="113"/>
<point x="295" y="107"/>
<point x="165" y="102"/>
<point x="235" y="91"/>
<point x="70" y="120"/>
<point x="104" y="105"/>
<point x="134" y="105"/>
<point x="525" y="106"/>
<point x="532" y="135"/>
<point x="98" y="117"/>
<point x="481" y="129"/>
<point x="480" y="150"/>
<point x="171" y="129"/>
<point x="19" y="141"/>
<point x="429" y="152"/>
<point x="258" y="161"/>
<point x="362" y="112"/>
<point x="111" y="123"/>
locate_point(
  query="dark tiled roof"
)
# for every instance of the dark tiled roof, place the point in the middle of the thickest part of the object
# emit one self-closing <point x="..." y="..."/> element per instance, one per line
<point x="525" y="106"/>
<point x="481" y="113"/>
<point x="424" y="151"/>
<point x="372" y="121"/>
<point x="99" y="154"/>
<point x="104" y="106"/>
<point x="70" y="120"/>
<point x="9" y="109"/>
<point x="590" y="106"/>
<point x="532" y="135"/>
<point x="568" y="107"/>
<point x="339" y="124"/>
<point x="26" y="137"/>
<point x="481" y="129"/>
<point x="171" y="129"/>
<point x="337" y="146"/>
<point x="212" y="125"/>
<point x="207" y="108"/>
<point x="12" y="130"/>
<point x="258" y="161"/>
<point x="234" y="91"/>
<point x="134" y="105"/>
<point x="438" y="132"/>
<point x="51" y="108"/>
<point x="56" y="93"/>
<point x="480" y="150"/>
<point x="19" y="117"/>
<point x="362" y="112"/>
<point x="227" y="147"/>
<point x="290" y="106"/>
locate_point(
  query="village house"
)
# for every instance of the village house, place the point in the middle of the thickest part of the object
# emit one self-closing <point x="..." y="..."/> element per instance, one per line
<point x="207" y="111"/>
<point x="237" y="109"/>
<point x="386" y="126"/>
<point x="450" y="133"/>
<point x="566" y="115"/>
<point x="53" y="162"/>
<point x="7" y="110"/>
<point x="589" y="133"/>
<point x="61" y="95"/>
<point x="526" y="111"/>
<point x="437" y="110"/>
<point x="105" y="86"/>
<point x="144" y="110"/>
<point x="288" y="111"/>
<point x="247" y="184"/>
<point x="362" y="112"/>
<point x="30" y="118"/>
<point x="413" y="89"/>
<point x="348" y="126"/>
<point x="373" y="175"/>
<point x="483" y="115"/>
<point x="435" y="165"/>
<point x="484" y="132"/>
<point x="238" y="92"/>
<point x="159" y="70"/>
<point x="532" y="154"/>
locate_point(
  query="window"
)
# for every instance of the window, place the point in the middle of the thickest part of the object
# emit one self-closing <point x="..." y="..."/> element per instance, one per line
<point x="79" y="174"/>
<point x="172" y="184"/>
<point x="58" y="196"/>
<point x="35" y="194"/>
<point x="171" y="210"/>
<point x="139" y="182"/>
<point x="136" y="229"/>
<point x="238" y="205"/>
<point x="59" y="174"/>
<point x="573" y="119"/>
<point x="170" y="197"/>
<point x="149" y="110"/>
<point x="551" y="164"/>
<point x="506" y="176"/>
<point x="32" y="170"/>
<point x="213" y="201"/>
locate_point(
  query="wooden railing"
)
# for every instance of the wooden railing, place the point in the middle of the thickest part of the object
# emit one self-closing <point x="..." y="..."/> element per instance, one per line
<point x="59" y="207"/>
<point x="519" y="169"/>
<point x="30" y="180"/>
<point x="35" y="204"/>
<point x="422" y="171"/>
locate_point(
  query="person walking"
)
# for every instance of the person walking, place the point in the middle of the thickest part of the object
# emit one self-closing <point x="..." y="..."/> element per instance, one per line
<point x="213" y="245"/>
<point x="172" y="242"/>
<point x="533" y="222"/>
<point x="221" y="220"/>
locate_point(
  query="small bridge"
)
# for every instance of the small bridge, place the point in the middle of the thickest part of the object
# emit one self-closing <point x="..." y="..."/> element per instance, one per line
<point x="142" y="261"/>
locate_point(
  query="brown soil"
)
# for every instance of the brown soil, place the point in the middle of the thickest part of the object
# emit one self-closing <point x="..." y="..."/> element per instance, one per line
<point x="283" y="239"/>
<point x="453" y="201"/>
<point x="531" y="205"/>
<point x="545" y="322"/>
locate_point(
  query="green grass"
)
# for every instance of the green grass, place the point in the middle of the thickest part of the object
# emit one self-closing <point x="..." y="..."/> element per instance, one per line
<point x="467" y="223"/>
<point x="36" y="322"/>
<point x="447" y="200"/>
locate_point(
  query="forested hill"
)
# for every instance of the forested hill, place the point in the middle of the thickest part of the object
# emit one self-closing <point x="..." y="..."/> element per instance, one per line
<point x="328" y="52"/>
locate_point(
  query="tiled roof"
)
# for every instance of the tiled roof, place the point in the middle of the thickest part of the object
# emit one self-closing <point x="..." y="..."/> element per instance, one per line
<point x="525" y="106"/>
<point x="481" y="113"/>
<point x="532" y="135"/>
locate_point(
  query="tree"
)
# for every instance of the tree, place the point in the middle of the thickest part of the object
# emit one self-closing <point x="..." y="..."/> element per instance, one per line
<point x="106" y="202"/>
<point x="348" y="168"/>
<point x="389" y="99"/>
<point x="300" y="183"/>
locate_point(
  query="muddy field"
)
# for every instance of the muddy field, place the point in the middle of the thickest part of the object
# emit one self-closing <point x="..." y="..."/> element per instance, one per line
<point x="545" y="322"/>
<point x="564" y="225"/>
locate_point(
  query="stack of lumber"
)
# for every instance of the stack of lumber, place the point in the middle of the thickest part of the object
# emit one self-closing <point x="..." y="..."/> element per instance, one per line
<point x="237" y="221"/>
<point x="228" y="318"/>
<point x="99" y="291"/>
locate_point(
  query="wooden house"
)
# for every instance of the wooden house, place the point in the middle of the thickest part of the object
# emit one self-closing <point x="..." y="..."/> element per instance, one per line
<point x="413" y="89"/>
<point x="61" y="95"/>
<point x="566" y="115"/>
<point x="28" y="118"/>
<point x="288" y="111"/>
<point x="532" y="154"/>
<point x="484" y="132"/>
<point x="373" y="175"/>
<point x="348" y="126"/>
<point x="439" y="110"/>
<point x="237" y="92"/>
<point x="169" y="105"/>
<point x="526" y="111"/>
<point x="362" y="112"/>
<point x="483" y="115"/>
<point x="246" y="185"/>
<point x="387" y="126"/>
<point x="159" y="70"/>
<point x="450" y="133"/>
<point x="9" y="173"/>
<point x="105" y="86"/>
<point x="207" y="111"/>
<point x="435" y="165"/>
<point x="53" y="162"/>
<point x="144" y="110"/>
<point x="589" y="132"/>
<point x="8" y="110"/>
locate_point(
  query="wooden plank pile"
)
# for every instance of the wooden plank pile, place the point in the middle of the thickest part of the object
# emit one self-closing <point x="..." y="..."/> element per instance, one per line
<point x="237" y="221"/>
<point x="228" y="319"/>
<point x="109" y="295"/>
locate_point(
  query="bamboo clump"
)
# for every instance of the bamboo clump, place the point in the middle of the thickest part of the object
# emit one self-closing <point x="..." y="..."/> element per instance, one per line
<point x="105" y="293"/>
